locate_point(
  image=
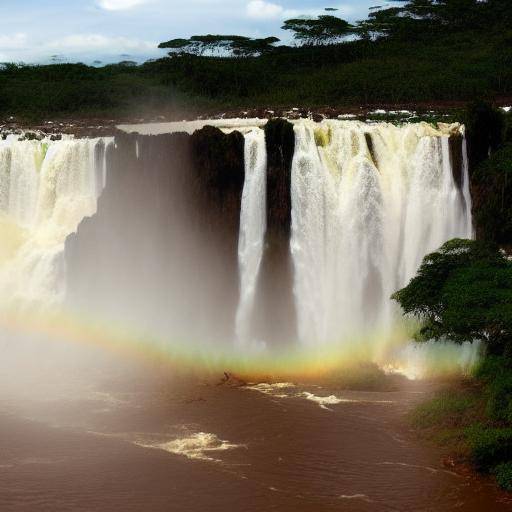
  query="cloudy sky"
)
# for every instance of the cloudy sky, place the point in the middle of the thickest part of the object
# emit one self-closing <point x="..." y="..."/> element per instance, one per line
<point x="113" y="30"/>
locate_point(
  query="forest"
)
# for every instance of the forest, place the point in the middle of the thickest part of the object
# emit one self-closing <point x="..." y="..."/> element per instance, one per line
<point x="423" y="53"/>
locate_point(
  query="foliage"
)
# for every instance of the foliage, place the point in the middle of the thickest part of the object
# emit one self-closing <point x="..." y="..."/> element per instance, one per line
<point x="326" y="29"/>
<point x="420" y="18"/>
<point x="444" y="65"/>
<point x="490" y="446"/>
<point x="470" y="420"/>
<point x="496" y="373"/>
<point x="222" y="45"/>
<point x="446" y="405"/>
<point x="463" y="292"/>
<point x="503" y="473"/>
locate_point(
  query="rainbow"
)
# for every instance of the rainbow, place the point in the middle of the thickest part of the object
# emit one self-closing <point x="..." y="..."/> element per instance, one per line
<point x="287" y="363"/>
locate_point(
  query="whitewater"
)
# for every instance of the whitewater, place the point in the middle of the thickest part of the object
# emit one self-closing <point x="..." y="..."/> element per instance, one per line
<point x="369" y="201"/>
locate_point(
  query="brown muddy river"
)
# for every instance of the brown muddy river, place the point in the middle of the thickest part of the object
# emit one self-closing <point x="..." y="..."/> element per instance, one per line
<point x="71" y="441"/>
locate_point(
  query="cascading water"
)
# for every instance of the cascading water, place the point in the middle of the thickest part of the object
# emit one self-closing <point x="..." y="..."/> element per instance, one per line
<point x="368" y="203"/>
<point x="46" y="189"/>
<point x="252" y="232"/>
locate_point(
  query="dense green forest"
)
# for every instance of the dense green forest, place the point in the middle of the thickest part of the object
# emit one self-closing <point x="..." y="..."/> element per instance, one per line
<point x="423" y="52"/>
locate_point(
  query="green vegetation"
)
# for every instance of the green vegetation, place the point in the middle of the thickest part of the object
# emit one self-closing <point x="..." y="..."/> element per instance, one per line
<point x="422" y="52"/>
<point x="503" y="473"/>
<point x="71" y="90"/>
<point x="325" y="29"/>
<point x="236" y="46"/>
<point x="439" y="408"/>
<point x="468" y="420"/>
<point x="463" y="292"/>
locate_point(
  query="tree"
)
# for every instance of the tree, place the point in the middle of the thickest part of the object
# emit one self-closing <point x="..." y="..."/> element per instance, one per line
<point x="246" y="47"/>
<point x="463" y="292"/>
<point x="220" y="45"/>
<point x="325" y="29"/>
<point x="418" y="18"/>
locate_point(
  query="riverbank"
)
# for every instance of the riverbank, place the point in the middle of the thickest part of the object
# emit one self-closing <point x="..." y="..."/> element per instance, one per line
<point x="470" y="420"/>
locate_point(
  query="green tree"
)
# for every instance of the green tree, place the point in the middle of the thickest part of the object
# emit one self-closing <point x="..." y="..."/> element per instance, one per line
<point x="220" y="45"/>
<point x="419" y="18"/>
<point x="325" y="29"/>
<point x="463" y="292"/>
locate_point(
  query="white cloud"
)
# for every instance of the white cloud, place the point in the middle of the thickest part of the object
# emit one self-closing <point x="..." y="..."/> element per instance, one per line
<point x="120" y="5"/>
<point x="81" y="47"/>
<point x="261" y="10"/>
<point x="13" y="42"/>
<point x="90" y="42"/>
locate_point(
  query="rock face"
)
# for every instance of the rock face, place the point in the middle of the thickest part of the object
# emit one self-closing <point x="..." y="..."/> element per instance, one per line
<point x="275" y="309"/>
<point x="162" y="248"/>
<point x="486" y="134"/>
<point x="456" y="159"/>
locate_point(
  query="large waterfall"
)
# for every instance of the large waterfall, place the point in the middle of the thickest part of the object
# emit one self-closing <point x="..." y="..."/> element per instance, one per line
<point x="368" y="202"/>
<point x="46" y="189"/>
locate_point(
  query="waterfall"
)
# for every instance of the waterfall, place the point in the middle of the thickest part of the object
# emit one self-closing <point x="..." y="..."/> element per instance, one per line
<point x="46" y="189"/>
<point x="468" y="218"/>
<point x="368" y="203"/>
<point x="252" y="231"/>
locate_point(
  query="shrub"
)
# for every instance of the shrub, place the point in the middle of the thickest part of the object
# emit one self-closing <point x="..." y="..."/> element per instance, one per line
<point x="497" y="375"/>
<point x="503" y="474"/>
<point x="447" y="407"/>
<point x="489" y="446"/>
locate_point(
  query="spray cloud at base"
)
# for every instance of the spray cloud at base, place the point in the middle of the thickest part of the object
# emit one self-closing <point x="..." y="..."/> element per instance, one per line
<point x="266" y="250"/>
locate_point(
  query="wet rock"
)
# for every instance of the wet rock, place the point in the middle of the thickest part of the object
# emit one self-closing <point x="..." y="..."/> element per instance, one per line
<point x="456" y="159"/>
<point x="166" y="232"/>
<point x="275" y="310"/>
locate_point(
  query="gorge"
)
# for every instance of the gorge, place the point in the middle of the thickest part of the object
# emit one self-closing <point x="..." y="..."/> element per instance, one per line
<point x="209" y="302"/>
<point x="243" y="237"/>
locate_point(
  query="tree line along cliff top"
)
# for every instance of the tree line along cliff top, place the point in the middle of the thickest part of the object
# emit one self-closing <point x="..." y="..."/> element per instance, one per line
<point x="419" y="52"/>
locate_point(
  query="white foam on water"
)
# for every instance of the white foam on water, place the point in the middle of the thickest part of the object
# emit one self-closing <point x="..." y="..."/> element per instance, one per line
<point x="275" y="389"/>
<point x="198" y="446"/>
<point x="362" y="497"/>
<point x="324" y="401"/>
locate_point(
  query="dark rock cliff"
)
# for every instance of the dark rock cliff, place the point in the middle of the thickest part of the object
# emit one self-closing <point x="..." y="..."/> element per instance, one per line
<point x="275" y="309"/>
<point x="490" y="162"/>
<point x="162" y="248"/>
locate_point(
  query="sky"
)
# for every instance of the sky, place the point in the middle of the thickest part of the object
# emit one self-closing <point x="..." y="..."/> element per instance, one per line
<point x="35" y="31"/>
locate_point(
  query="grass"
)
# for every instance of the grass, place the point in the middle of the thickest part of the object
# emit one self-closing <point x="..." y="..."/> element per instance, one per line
<point x="472" y="420"/>
<point x="449" y="408"/>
